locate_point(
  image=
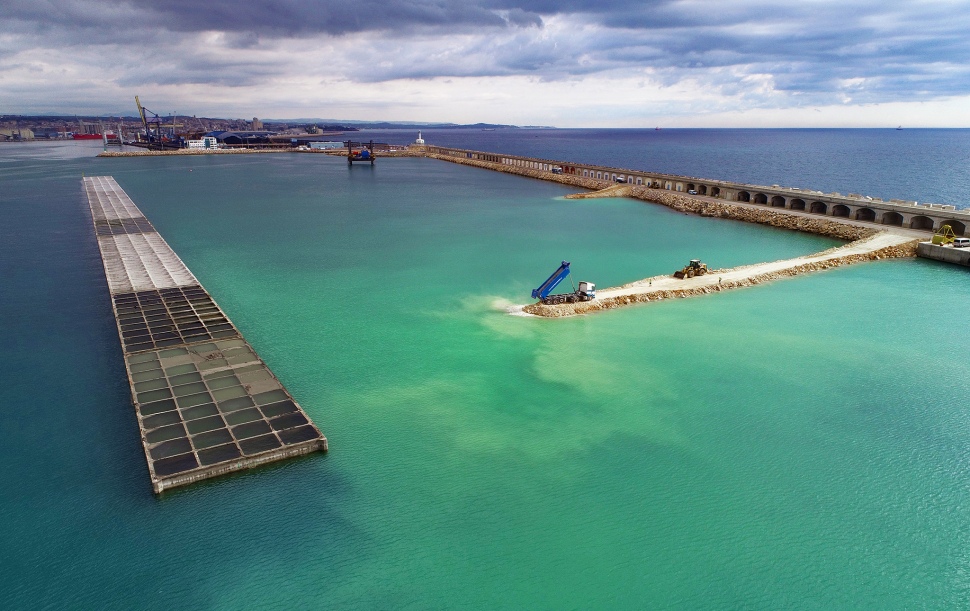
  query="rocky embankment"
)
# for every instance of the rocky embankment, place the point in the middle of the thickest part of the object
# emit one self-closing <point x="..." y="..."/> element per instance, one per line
<point x="762" y="216"/>
<point x="881" y="246"/>
<point x="681" y="201"/>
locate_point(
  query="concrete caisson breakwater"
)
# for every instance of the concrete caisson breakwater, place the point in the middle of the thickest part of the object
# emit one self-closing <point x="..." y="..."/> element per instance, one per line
<point x="206" y="404"/>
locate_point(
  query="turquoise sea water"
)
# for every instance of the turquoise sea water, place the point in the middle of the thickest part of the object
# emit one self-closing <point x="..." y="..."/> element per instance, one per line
<point x="799" y="444"/>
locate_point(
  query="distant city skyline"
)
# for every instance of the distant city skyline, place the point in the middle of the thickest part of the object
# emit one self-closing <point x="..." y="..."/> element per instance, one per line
<point x="618" y="63"/>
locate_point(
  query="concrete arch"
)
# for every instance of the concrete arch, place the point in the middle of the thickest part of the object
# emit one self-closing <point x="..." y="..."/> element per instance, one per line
<point x="760" y="198"/>
<point x="777" y="201"/>
<point x="892" y="218"/>
<point x="715" y="191"/>
<point x="819" y="208"/>
<point x="797" y="204"/>
<point x="744" y="196"/>
<point x="865" y="214"/>
<point x="957" y="227"/>
<point x="840" y="210"/>
<point x="921" y="222"/>
<point x="702" y="190"/>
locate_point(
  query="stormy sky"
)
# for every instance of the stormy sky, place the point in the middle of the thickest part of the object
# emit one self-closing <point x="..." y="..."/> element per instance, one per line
<point x="612" y="63"/>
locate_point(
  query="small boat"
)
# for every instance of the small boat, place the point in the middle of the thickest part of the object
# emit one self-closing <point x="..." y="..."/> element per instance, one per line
<point x="899" y="128"/>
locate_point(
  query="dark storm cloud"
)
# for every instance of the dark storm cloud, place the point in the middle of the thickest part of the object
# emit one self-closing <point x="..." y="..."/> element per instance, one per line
<point x="275" y="17"/>
<point x="892" y="50"/>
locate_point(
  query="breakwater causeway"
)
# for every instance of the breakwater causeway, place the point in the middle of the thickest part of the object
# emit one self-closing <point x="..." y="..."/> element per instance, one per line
<point x="883" y="245"/>
<point x="870" y="240"/>
<point x="843" y="209"/>
<point x="206" y="403"/>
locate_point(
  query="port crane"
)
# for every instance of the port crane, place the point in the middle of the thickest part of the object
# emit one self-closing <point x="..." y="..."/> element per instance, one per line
<point x="155" y="121"/>
<point x="585" y="292"/>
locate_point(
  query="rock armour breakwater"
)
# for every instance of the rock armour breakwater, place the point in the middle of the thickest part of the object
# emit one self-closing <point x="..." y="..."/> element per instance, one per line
<point x="642" y="291"/>
<point x="684" y="203"/>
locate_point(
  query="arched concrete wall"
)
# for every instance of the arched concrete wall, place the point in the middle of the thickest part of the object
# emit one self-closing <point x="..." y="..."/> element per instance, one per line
<point x="921" y="222"/>
<point x="777" y="201"/>
<point x="925" y="217"/>
<point x="892" y="218"/>
<point x="957" y="227"/>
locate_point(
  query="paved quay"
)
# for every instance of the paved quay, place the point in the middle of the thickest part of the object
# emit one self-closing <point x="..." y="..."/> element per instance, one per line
<point x="206" y="404"/>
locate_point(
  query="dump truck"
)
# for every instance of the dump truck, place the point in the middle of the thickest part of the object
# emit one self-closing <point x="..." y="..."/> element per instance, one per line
<point x="585" y="292"/>
<point x="694" y="268"/>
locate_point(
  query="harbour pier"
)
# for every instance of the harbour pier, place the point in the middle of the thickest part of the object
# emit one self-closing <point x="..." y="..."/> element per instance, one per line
<point x="205" y="403"/>
<point x="893" y="213"/>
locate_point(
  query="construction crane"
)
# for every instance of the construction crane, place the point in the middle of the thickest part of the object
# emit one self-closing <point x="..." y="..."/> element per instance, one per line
<point x="142" y="112"/>
<point x="155" y="121"/>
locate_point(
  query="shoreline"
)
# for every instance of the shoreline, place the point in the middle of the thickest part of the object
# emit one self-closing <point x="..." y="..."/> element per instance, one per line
<point x="179" y="152"/>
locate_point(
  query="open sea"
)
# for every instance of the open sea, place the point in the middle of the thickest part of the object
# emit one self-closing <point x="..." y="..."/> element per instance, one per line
<point x="801" y="444"/>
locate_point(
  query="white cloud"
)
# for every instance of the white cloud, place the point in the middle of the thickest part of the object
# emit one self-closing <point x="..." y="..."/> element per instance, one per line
<point x="616" y="64"/>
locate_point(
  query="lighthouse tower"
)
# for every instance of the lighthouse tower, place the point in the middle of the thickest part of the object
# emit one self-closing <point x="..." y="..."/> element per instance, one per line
<point x="420" y="140"/>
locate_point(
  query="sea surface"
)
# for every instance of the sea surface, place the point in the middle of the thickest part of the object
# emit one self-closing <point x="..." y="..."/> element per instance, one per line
<point x="924" y="165"/>
<point x="801" y="444"/>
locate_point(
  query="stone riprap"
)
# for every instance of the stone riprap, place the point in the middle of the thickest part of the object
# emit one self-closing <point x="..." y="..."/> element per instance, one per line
<point x="883" y="245"/>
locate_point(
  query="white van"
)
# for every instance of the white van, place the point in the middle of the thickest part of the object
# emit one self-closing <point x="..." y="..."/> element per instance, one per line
<point x="961" y="242"/>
